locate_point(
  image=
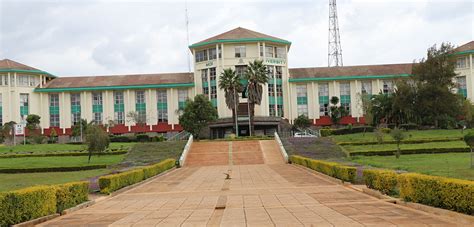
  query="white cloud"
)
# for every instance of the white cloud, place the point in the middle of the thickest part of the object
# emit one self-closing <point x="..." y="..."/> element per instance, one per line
<point x="117" y="37"/>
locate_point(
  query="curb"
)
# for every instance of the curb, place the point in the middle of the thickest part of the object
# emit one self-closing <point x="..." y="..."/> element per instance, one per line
<point x="36" y="221"/>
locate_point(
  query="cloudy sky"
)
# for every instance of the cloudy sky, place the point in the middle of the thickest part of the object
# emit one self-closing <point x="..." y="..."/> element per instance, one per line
<point x="101" y="37"/>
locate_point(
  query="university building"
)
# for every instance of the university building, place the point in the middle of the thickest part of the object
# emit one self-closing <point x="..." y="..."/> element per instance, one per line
<point x="157" y="98"/>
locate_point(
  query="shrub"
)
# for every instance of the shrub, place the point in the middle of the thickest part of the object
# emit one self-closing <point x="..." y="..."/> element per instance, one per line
<point x="71" y="194"/>
<point x="384" y="181"/>
<point x="123" y="139"/>
<point x="143" y="138"/>
<point x="350" y="130"/>
<point x="386" y="130"/>
<point x="117" y="181"/>
<point x="447" y="193"/>
<point x="408" y="126"/>
<point x="469" y="139"/>
<point x="411" y="151"/>
<point x="344" y="173"/>
<point x="325" y="132"/>
<point x="52" y="169"/>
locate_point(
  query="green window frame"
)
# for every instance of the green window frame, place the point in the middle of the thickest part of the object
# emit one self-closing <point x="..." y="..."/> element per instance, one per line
<point x="97" y="102"/>
<point x="24" y="104"/>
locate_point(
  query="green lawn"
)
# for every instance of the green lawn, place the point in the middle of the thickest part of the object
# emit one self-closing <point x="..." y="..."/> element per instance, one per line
<point x="46" y="148"/>
<point x="410" y="135"/>
<point x="384" y="147"/>
<point x="147" y="153"/>
<point x="455" y="165"/>
<point x="21" y="180"/>
<point x="317" y="148"/>
<point x="63" y="161"/>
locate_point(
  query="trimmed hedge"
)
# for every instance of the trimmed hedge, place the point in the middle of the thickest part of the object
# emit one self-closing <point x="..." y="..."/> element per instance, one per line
<point x="447" y="193"/>
<point x="344" y="173"/>
<point x="401" y="142"/>
<point x="38" y="201"/>
<point x="60" y="154"/>
<point x="383" y="180"/>
<point x="351" y="130"/>
<point x="52" y="169"/>
<point x="410" y="151"/>
<point x="117" y="181"/>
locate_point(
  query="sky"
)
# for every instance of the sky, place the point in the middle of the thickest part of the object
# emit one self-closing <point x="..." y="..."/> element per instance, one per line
<point x="104" y="37"/>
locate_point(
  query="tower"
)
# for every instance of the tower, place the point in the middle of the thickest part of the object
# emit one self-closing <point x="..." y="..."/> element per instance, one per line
<point x="334" y="40"/>
<point x="187" y="35"/>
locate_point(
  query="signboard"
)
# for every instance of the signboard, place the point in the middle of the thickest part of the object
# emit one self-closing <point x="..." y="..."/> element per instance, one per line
<point x="19" y="129"/>
<point x="275" y="61"/>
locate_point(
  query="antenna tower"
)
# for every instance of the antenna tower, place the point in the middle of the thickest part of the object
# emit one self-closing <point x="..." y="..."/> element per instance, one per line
<point x="334" y="40"/>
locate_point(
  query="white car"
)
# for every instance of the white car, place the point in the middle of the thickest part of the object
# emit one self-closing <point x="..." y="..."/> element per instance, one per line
<point x="304" y="134"/>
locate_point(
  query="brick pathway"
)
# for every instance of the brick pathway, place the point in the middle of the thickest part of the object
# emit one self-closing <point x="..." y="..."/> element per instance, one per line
<point x="265" y="192"/>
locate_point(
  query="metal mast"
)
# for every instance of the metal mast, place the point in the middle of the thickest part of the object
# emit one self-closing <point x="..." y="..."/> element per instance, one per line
<point x="334" y="40"/>
<point x="187" y="35"/>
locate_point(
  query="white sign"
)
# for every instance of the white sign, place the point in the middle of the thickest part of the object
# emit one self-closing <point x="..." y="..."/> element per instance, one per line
<point x="19" y="129"/>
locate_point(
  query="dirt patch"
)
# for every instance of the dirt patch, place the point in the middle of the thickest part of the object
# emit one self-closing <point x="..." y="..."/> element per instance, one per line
<point x="315" y="148"/>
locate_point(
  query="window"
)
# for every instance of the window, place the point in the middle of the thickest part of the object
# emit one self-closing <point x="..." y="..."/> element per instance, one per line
<point x="140" y="106"/>
<point x="3" y="80"/>
<point x="462" y="88"/>
<point x="280" y="110"/>
<point x="162" y="106"/>
<point x="205" y="83"/>
<point x="280" y="52"/>
<point x="279" y="72"/>
<point x="75" y="108"/>
<point x="261" y="50"/>
<point x="240" y="71"/>
<point x="271" y="90"/>
<point x="279" y="90"/>
<point x="205" y="91"/>
<point x="240" y="52"/>
<point x="323" y="94"/>
<point x="271" y="110"/>
<point x="220" y="52"/>
<point x="212" y="74"/>
<point x="119" y="108"/>
<point x="12" y="80"/>
<point x="201" y="56"/>
<point x="34" y="81"/>
<point x="461" y="63"/>
<point x="387" y="87"/>
<point x="269" y="51"/>
<point x="212" y="54"/>
<point x="302" y="99"/>
<point x="182" y="97"/>
<point x="204" y="75"/>
<point x="97" y="108"/>
<point x="24" y="104"/>
<point x="53" y="110"/>
<point x="366" y="87"/>
<point x="270" y="72"/>
<point x="345" y="93"/>
<point x="23" y="80"/>
<point x="213" y="92"/>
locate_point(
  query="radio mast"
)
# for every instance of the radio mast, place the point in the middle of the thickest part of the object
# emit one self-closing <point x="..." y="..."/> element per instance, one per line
<point x="334" y="40"/>
<point x="188" y="53"/>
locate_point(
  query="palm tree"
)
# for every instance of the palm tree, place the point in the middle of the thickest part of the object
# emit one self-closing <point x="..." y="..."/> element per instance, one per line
<point x="229" y="81"/>
<point x="256" y="75"/>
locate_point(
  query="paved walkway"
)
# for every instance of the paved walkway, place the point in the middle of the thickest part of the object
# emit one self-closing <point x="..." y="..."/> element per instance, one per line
<point x="262" y="191"/>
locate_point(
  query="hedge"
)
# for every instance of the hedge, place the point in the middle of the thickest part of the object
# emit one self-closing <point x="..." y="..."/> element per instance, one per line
<point x="344" y="173"/>
<point x="60" y="154"/>
<point x="38" y="201"/>
<point x="117" y="181"/>
<point x="52" y="169"/>
<point x="447" y="193"/>
<point x="381" y="180"/>
<point x="410" y="151"/>
<point x="401" y="142"/>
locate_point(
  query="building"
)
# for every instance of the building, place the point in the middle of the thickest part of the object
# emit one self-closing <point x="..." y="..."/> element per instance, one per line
<point x="155" y="99"/>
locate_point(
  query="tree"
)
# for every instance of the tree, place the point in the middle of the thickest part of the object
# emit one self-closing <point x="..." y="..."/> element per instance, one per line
<point x="366" y="106"/>
<point x="33" y="122"/>
<point x="337" y="112"/>
<point x="8" y="130"/>
<point x="76" y="129"/>
<point x="469" y="140"/>
<point x="302" y="122"/>
<point x="97" y="140"/>
<point x="382" y="108"/>
<point x="137" y="118"/>
<point x="398" y="136"/>
<point x="229" y="81"/>
<point x="52" y="135"/>
<point x="197" y="114"/>
<point x="256" y="75"/>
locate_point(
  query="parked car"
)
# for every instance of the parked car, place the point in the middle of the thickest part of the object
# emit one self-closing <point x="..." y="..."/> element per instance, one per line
<point x="304" y="134"/>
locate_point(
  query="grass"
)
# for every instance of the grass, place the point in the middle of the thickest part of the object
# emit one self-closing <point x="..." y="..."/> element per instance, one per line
<point x="148" y="153"/>
<point x="47" y="148"/>
<point x="411" y="135"/>
<point x="317" y="148"/>
<point x="35" y="162"/>
<point x="455" y="165"/>
<point x="22" y="180"/>
<point x="385" y="147"/>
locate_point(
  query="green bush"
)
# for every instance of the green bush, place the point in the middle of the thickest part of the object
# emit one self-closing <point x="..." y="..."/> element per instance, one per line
<point x="117" y="181"/>
<point x="411" y="151"/>
<point x="333" y="169"/>
<point x="325" y="132"/>
<point x="123" y="139"/>
<point x="469" y="139"/>
<point x="384" y="181"/>
<point x="351" y="130"/>
<point x="414" y="141"/>
<point x="38" y="201"/>
<point x="143" y="138"/>
<point x="447" y="193"/>
<point x="71" y="194"/>
<point x="386" y="130"/>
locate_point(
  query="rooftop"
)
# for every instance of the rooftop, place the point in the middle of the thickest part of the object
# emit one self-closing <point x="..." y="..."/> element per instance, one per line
<point x="7" y="65"/>
<point x="465" y="47"/>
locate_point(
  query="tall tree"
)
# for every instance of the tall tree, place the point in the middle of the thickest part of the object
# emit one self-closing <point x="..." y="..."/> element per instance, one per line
<point x="229" y="81"/>
<point x="197" y="114"/>
<point x="256" y="75"/>
<point x="337" y="112"/>
<point x="97" y="140"/>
